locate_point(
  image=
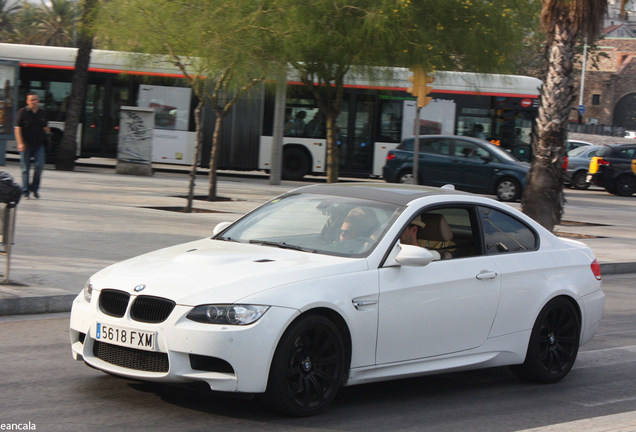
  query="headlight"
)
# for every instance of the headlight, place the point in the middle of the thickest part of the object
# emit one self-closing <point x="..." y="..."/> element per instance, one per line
<point x="88" y="291"/>
<point x="227" y="314"/>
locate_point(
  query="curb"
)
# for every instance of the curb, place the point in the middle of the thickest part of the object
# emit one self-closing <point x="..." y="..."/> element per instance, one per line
<point x="618" y="268"/>
<point x="36" y="304"/>
<point x="62" y="303"/>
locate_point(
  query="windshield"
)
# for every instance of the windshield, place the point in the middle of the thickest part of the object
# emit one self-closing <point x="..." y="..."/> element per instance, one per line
<point x="316" y="223"/>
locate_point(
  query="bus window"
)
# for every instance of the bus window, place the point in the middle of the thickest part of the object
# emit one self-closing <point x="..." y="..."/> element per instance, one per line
<point x="477" y="127"/>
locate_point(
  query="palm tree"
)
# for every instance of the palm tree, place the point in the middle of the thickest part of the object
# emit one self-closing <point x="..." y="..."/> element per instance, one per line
<point x="57" y="23"/>
<point x="8" y="10"/>
<point x="563" y="21"/>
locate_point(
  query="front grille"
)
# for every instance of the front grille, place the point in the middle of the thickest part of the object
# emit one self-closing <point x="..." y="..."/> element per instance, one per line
<point x="113" y="302"/>
<point x="151" y="309"/>
<point x="130" y="358"/>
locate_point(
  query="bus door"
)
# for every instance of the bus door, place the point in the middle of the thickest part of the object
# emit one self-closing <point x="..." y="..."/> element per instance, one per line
<point x="93" y="123"/>
<point x="355" y="133"/>
<point x="100" y="127"/>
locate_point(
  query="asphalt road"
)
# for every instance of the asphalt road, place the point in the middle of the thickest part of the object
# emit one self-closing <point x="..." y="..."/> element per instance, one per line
<point x="41" y="384"/>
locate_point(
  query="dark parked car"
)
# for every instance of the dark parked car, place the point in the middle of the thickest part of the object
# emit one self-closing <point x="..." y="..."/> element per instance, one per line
<point x="470" y="164"/>
<point x="578" y="164"/>
<point x="614" y="168"/>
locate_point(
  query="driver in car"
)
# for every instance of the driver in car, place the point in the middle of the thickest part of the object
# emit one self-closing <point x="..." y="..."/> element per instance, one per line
<point x="409" y="236"/>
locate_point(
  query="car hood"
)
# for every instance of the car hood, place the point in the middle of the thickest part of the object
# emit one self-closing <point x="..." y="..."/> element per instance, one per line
<point x="215" y="271"/>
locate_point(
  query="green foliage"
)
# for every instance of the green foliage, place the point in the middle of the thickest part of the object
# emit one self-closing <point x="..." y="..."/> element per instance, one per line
<point x="211" y="40"/>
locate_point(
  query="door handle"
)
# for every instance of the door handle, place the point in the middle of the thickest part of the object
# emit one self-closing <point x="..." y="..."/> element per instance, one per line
<point x="361" y="303"/>
<point x="485" y="274"/>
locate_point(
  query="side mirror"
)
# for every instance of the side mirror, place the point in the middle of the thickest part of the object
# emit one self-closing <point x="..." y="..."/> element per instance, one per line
<point x="408" y="255"/>
<point x="220" y="227"/>
<point x="486" y="158"/>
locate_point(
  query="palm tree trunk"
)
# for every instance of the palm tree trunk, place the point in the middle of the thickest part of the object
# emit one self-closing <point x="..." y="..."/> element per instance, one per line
<point x="65" y="160"/>
<point x="543" y="199"/>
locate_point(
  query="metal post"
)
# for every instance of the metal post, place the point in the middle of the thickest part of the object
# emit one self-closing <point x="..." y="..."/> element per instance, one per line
<point x="583" y="74"/>
<point x="8" y="227"/>
<point x="276" y="162"/>
<point x="416" y="146"/>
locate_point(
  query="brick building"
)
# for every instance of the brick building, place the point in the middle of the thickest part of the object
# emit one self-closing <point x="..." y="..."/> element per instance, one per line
<point x="610" y="92"/>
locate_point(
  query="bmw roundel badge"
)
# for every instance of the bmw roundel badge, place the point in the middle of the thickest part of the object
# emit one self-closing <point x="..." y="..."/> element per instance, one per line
<point x="140" y="287"/>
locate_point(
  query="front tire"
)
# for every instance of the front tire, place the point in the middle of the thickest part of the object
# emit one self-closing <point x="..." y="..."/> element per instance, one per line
<point x="554" y="343"/>
<point x="308" y="367"/>
<point x="578" y="180"/>
<point x="406" y="177"/>
<point x="508" y="189"/>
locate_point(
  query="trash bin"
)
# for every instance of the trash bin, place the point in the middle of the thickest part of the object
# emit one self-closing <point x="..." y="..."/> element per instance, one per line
<point x="10" y="194"/>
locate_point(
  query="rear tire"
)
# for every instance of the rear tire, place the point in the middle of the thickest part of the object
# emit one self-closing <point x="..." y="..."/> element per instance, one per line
<point x="625" y="185"/>
<point x="554" y="343"/>
<point x="308" y="367"/>
<point x="296" y="164"/>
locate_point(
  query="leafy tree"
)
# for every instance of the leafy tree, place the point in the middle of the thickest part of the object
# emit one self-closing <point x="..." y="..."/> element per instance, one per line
<point x="563" y="21"/>
<point x="213" y="43"/>
<point x="323" y="40"/>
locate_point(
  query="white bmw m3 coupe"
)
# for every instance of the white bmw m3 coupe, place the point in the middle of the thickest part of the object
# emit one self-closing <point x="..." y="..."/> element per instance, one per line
<point x="336" y="285"/>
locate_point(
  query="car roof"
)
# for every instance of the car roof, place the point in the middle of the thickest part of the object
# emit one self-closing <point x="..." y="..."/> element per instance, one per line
<point x="394" y="193"/>
<point x="618" y="145"/>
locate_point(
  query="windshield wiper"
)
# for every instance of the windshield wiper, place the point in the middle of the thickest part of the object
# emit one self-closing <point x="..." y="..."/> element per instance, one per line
<point x="226" y="239"/>
<point x="281" y="245"/>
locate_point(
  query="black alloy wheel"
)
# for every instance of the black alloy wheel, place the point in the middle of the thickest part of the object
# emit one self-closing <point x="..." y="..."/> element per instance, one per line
<point x="308" y="367"/>
<point x="625" y="185"/>
<point x="554" y="343"/>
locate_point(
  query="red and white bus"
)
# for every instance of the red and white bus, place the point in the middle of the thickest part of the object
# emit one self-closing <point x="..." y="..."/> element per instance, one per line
<point x="375" y="116"/>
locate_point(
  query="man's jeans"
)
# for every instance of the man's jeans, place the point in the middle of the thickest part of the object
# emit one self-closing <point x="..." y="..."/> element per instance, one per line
<point x="25" y="163"/>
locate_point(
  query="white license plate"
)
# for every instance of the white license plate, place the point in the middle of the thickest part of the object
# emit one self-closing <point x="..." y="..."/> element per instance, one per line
<point x="588" y="179"/>
<point x="127" y="337"/>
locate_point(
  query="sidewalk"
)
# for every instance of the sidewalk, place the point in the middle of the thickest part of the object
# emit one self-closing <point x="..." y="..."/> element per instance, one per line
<point x="90" y="218"/>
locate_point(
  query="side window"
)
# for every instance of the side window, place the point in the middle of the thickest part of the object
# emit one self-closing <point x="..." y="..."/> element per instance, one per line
<point x="436" y="146"/>
<point x="449" y="231"/>
<point x="483" y="153"/>
<point x="628" y="153"/>
<point x="464" y="149"/>
<point x="504" y="233"/>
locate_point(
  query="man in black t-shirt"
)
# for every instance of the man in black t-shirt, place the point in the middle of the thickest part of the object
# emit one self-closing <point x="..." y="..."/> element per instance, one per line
<point x="31" y="132"/>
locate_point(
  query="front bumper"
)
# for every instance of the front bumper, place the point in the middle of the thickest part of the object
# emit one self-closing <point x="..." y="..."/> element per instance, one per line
<point x="227" y="358"/>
